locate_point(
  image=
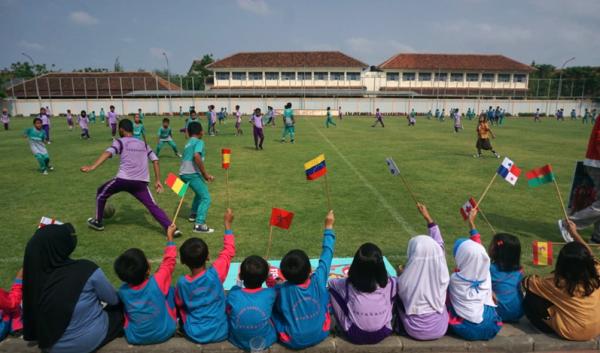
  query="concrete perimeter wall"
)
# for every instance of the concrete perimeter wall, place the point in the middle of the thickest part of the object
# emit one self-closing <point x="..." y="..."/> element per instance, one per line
<point x="387" y="105"/>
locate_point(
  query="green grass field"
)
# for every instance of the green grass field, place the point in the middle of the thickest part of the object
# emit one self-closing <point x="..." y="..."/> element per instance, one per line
<point x="370" y="204"/>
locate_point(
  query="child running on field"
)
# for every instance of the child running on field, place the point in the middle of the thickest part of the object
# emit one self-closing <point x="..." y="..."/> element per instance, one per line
<point x="148" y="301"/>
<point x="199" y="296"/>
<point x="270" y="116"/>
<point x="102" y="115"/>
<point x="257" y="128"/>
<point x="193" y="172"/>
<point x="139" y="132"/>
<point x="45" y="117"/>
<point x="457" y="117"/>
<point x="301" y="313"/>
<point x="340" y="113"/>
<point x="5" y="118"/>
<point x="69" y="120"/>
<point x="83" y="122"/>
<point x="238" y="121"/>
<point x="166" y="136"/>
<point x="93" y="117"/>
<point x="37" y="139"/>
<point x="112" y="120"/>
<point x="288" y="122"/>
<point x="483" y="137"/>
<point x="378" y="118"/>
<point x="329" y="120"/>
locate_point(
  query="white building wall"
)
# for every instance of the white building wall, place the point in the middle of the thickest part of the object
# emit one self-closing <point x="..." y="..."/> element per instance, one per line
<point x="247" y="104"/>
<point x="250" y="83"/>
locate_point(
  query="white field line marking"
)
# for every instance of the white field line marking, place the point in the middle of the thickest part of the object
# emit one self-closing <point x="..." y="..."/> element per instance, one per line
<point x="369" y="186"/>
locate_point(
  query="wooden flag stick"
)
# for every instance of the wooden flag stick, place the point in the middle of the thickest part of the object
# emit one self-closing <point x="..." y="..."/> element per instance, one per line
<point x="178" y="209"/>
<point x="327" y="193"/>
<point x="269" y="244"/>
<point x="412" y="194"/>
<point x="486" y="190"/>
<point x="486" y="220"/>
<point x="227" y="187"/>
<point x="562" y="203"/>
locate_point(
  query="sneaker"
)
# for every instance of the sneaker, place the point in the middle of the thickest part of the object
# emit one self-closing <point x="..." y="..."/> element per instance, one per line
<point x="497" y="155"/>
<point x="50" y="168"/>
<point x="177" y="234"/>
<point x="476" y="156"/>
<point x="202" y="228"/>
<point x="94" y="224"/>
<point x="45" y="172"/>
<point x="179" y="155"/>
<point x="192" y="217"/>
<point x="564" y="232"/>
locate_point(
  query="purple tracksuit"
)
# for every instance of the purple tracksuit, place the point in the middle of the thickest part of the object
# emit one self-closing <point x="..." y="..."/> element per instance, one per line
<point x="133" y="177"/>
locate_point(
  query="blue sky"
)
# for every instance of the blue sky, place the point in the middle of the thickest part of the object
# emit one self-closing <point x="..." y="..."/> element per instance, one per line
<point x="75" y="34"/>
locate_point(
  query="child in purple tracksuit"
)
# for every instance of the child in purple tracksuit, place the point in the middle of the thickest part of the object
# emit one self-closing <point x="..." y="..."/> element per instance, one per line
<point x="238" y="121"/>
<point x="149" y="302"/>
<point x="378" y="118"/>
<point x="10" y="307"/>
<point x="363" y="302"/>
<point x="112" y="119"/>
<point x="250" y="307"/>
<point x="301" y="312"/>
<point x="83" y="122"/>
<point x="133" y="176"/>
<point x="199" y="296"/>
<point x="5" y="118"/>
<point x="257" y="124"/>
<point x="69" y="120"/>
<point x="45" y="123"/>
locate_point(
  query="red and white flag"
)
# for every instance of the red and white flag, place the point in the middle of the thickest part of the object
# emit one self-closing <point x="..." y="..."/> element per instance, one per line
<point x="47" y="220"/>
<point x="466" y="209"/>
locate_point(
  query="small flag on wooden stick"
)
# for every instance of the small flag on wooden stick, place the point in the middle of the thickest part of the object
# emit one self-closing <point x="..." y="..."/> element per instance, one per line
<point x="542" y="253"/>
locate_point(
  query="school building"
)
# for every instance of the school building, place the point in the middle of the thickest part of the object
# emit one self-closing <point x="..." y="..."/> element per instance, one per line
<point x="288" y="70"/>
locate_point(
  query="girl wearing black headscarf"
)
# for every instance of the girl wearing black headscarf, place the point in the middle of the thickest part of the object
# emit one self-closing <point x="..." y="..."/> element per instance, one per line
<point x="62" y="297"/>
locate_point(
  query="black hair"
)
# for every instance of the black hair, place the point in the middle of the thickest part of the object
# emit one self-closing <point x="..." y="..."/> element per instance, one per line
<point x="192" y="112"/>
<point x="237" y="107"/>
<point x="288" y="105"/>
<point x="132" y="266"/>
<point x="295" y="266"/>
<point x="83" y="113"/>
<point x="257" y="110"/>
<point x="68" y="110"/>
<point x="166" y="120"/>
<point x="328" y="108"/>
<point x="505" y="252"/>
<point x="193" y="253"/>
<point x="112" y="106"/>
<point x="36" y="119"/>
<point x="575" y="270"/>
<point x="367" y="270"/>
<point x="126" y="125"/>
<point x="254" y="270"/>
<point x="194" y="128"/>
<point x="211" y="106"/>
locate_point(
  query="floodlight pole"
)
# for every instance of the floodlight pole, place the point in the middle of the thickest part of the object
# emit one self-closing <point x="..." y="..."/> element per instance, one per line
<point x="560" y="80"/>
<point x="168" y="79"/>
<point x="37" y="89"/>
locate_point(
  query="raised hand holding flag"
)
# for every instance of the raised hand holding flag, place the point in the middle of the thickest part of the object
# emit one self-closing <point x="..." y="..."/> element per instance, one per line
<point x="225" y="163"/>
<point x="316" y="168"/>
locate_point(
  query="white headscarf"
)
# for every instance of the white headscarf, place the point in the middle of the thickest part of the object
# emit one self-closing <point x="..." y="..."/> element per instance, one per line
<point x="423" y="284"/>
<point x="471" y="287"/>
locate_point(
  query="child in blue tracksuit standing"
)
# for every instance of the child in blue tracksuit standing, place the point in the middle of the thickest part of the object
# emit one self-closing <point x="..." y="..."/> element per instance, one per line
<point x="250" y="307"/>
<point x="301" y="313"/>
<point x="200" y="297"/>
<point x="149" y="302"/>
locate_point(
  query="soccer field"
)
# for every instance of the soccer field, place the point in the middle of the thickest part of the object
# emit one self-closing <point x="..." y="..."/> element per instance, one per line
<point x="370" y="204"/>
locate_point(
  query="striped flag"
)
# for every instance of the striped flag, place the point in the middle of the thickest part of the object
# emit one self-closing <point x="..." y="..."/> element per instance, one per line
<point x="540" y="176"/>
<point x="315" y="168"/>
<point x="176" y="184"/>
<point x="542" y="253"/>
<point x="509" y="171"/>
<point x="225" y="158"/>
<point x="466" y="209"/>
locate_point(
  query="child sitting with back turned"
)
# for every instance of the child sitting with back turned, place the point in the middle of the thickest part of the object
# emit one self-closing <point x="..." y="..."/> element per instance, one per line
<point x="507" y="274"/>
<point x="148" y="301"/>
<point x="200" y="296"/>
<point x="362" y="303"/>
<point x="301" y="313"/>
<point x="250" y="307"/>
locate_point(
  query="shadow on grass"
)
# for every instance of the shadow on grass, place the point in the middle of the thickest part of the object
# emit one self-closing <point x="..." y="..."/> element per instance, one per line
<point x="523" y="226"/>
<point x="125" y="215"/>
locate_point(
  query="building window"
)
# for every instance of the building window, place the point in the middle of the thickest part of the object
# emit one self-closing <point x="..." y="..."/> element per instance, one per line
<point x="238" y="76"/>
<point x="503" y="77"/>
<point x="519" y="78"/>
<point x="337" y="76"/>
<point x="472" y="77"/>
<point x="424" y="76"/>
<point x="457" y="77"/>
<point x="273" y="76"/>
<point x="441" y="76"/>
<point x="321" y="76"/>
<point x="408" y="76"/>
<point x="256" y="76"/>
<point x="222" y="75"/>
<point x="487" y="77"/>
<point x="353" y="76"/>
<point x="304" y="75"/>
<point x="288" y="76"/>
<point x="392" y="76"/>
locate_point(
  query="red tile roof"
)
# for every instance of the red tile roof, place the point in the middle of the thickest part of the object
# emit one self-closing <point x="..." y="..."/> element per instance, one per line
<point x="475" y="62"/>
<point x="91" y="84"/>
<point x="296" y="59"/>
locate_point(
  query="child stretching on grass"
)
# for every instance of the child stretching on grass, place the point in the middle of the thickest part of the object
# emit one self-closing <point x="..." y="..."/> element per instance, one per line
<point x="301" y="313"/>
<point x="37" y="140"/>
<point x="250" y="307"/>
<point x="200" y="296"/>
<point x="166" y="136"/>
<point x="362" y="303"/>
<point x="150" y="314"/>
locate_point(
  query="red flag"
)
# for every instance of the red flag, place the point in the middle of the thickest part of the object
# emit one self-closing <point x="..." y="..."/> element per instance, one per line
<point x="225" y="158"/>
<point x="281" y="218"/>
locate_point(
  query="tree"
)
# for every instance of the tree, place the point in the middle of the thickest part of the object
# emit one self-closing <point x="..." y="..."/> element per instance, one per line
<point x="91" y="69"/>
<point x="199" y="72"/>
<point x="118" y="67"/>
<point x="26" y="70"/>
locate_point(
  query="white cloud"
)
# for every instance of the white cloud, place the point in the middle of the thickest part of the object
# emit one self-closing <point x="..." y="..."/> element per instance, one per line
<point x="82" y="18"/>
<point x="259" y="7"/>
<point x="158" y="53"/>
<point x="30" y="45"/>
